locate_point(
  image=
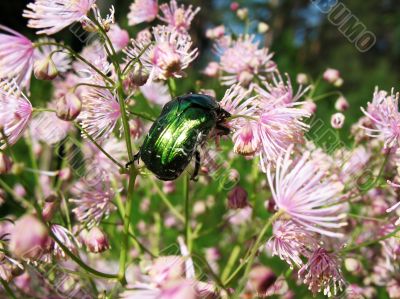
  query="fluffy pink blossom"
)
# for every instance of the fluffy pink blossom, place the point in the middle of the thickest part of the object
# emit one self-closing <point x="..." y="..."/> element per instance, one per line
<point x="384" y="113"/>
<point x="100" y="112"/>
<point x="15" y="113"/>
<point x="290" y="241"/>
<point x="242" y="60"/>
<point x="303" y="191"/>
<point x="52" y="16"/>
<point x="322" y="273"/>
<point x="16" y="56"/>
<point x="156" y="92"/>
<point x="93" y="201"/>
<point x="119" y="37"/>
<point x="142" y="11"/>
<point x="264" y="124"/>
<point x="178" y="17"/>
<point x="170" y="54"/>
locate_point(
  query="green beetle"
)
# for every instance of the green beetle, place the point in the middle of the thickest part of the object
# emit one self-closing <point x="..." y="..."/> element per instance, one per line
<point x="184" y="124"/>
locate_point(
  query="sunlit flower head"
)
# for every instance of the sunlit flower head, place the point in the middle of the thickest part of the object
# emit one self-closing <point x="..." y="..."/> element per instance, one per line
<point x="242" y="60"/>
<point x="383" y="111"/>
<point x="246" y="135"/>
<point x="281" y="125"/>
<point x="93" y="201"/>
<point x="322" y="273"/>
<point x="96" y="54"/>
<point x="290" y="241"/>
<point x="178" y="17"/>
<point x="15" y="113"/>
<point x="100" y="112"/>
<point x="303" y="191"/>
<point x="168" y="56"/>
<point x="16" y="56"/>
<point x="52" y="16"/>
<point x="142" y="11"/>
<point x="280" y="92"/>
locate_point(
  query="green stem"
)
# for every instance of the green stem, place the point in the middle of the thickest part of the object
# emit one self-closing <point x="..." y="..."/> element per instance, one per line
<point x="371" y="242"/>
<point x="136" y="60"/>
<point x="23" y="201"/>
<point x="127" y="219"/>
<point x="98" y="146"/>
<point x="188" y="232"/>
<point x="167" y="202"/>
<point x="172" y="87"/>
<point x="8" y="289"/>
<point x="253" y="251"/>
<point x="231" y="262"/>
<point x="325" y="95"/>
<point x="34" y="166"/>
<point x="142" y="115"/>
<point x="92" y="85"/>
<point x="79" y="261"/>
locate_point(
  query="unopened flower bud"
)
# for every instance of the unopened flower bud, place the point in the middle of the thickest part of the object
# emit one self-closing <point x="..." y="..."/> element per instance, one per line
<point x="65" y="174"/>
<point x="5" y="163"/>
<point x="302" y="79"/>
<point x="341" y="104"/>
<point x="332" y="76"/>
<point x="261" y="279"/>
<point x="29" y="238"/>
<point x="237" y="198"/>
<point x="96" y="240"/>
<point x="68" y="107"/>
<point x="45" y="69"/>
<point x="234" y="6"/>
<point x="310" y="106"/>
<point x="19" y="190"/>
<point x="338" y="82"/>
<point x="353" y="265"/>
<point x="212" y="69"/>
<point x="50" y="207"/>
<point x="262" y="27"/>
<point x="337" y="120"/>
<point x="139" y="75"/>
<point x="242" y="13"/>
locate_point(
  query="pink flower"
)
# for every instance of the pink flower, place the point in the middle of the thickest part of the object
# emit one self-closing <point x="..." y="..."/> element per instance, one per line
<point x="119" y="37"/>
<point x="242" y="60"/>
<point x="100" y="112"/>
<point x="331" y="75"/>
<point x="337" y="120"/>
<point x="211" y="70"/>
<point x="96" y="240"/>
<point x="179" y="18"/>
<point x="279" y="92"/>
<point x="61" y="60"/>
<point x="156" y="92"/>
<point x="384" y="114"/>
<point x="32" y="243"/>
<point x="93" y="201"/>
<point x="302" y="190"/>
<point x="15" y="112"/>
<point x="52" y="16"/>
<point x="48" y="128"/>
<point x="66" y="238"/>
<point x="142" y="11"/>
<point x="168" y="56"/>
<point x="290" y="241"/>
<point x="16" y="56"/>
<point x="322" y="273"/>
<point x="93" y="156"/>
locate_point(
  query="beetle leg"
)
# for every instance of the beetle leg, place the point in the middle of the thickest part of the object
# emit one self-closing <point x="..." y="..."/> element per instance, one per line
<point x="224" y="130"/>
<point x="136" y="157"/>
<point x="195" y="174"/>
